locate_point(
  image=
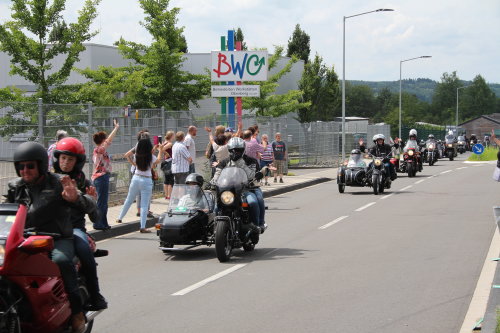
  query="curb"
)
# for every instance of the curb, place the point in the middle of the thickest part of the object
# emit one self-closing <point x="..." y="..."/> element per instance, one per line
<point x="129" y="227"/>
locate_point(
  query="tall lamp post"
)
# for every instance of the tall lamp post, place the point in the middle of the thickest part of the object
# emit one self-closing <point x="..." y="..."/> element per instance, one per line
<point x="457" y="105"/>
<point x="343" y="73"/>
<point x="400" y="67"/>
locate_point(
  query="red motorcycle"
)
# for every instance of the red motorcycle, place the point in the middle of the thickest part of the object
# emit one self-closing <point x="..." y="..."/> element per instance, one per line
<point x="411" y="162"/>
<point x="32" y="296"/>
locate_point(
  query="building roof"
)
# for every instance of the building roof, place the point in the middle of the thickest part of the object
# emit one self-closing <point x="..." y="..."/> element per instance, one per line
<point x="495" y="118"/>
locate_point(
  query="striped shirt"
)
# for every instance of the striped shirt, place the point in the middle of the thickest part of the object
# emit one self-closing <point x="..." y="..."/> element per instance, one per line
<point x="267" y="155"/>
<point x="180" y="155"/>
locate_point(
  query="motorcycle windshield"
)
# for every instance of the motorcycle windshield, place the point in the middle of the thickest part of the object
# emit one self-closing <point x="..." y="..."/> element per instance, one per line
<point x="356" y="161"/>
<point x="461" y="138"/>
<point x="186" y="198"/>
<point x="449" y="138"/>
<point x="430" y="145"/>
<point x="232" y="177"/>
<point x="6" y="222"/>
<point x="412" y="144"/>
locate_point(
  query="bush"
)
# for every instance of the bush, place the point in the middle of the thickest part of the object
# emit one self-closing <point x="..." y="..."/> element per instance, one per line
<point x="489" y="154"/>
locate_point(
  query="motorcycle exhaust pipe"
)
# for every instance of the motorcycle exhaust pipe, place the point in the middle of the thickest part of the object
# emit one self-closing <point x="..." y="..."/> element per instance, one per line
<point x="90" y="315"/>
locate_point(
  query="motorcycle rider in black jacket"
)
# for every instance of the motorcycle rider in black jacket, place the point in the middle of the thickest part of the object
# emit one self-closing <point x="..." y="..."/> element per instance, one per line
<point x="49" y="198"/>
<point x="380" y="148"/>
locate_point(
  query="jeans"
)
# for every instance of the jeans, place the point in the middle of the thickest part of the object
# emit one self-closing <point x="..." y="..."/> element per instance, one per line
<point x="262" y="207"/>
<point x="138" y="199"/>
<point x="390" y="167"/>
<point x="62" y="255"/>
<point x="102" y="188"/>
<point x="253" y="207"/>
<point x="144" y="186"/>
<point x="89" y="266"/>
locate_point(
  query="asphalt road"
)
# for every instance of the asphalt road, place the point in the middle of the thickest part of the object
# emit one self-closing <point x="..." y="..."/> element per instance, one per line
<point x="405" y="261"/>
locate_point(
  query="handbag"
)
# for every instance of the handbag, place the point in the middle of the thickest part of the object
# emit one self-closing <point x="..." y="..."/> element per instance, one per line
<point x="496" y="174"/>
<point x="166" y="167"/>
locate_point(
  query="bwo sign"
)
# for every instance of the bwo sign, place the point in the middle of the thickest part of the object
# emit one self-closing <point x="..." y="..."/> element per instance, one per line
<point x="239" y="66"/>
<point x="236" y="91"/>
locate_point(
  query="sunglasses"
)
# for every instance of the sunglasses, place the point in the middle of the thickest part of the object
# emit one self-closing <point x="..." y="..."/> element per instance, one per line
<point x="21" y="166"/>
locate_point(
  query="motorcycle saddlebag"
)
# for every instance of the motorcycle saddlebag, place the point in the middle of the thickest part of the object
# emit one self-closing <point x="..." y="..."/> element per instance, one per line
<point x="354" y="176"/>
<point x="183" y="229"/>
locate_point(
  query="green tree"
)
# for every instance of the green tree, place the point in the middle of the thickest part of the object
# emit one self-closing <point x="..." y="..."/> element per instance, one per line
<point x="320" y="87"/>
<point x="445" y="99"/>
<point x="269" y="103"/>
<point x="38" y="34"/>
<point x="239" y="37"/>
<point x="359" y="101"/>
<point x="299" y="45"/>
<point x="476" y="100"/>
<point x="156" y="77"/>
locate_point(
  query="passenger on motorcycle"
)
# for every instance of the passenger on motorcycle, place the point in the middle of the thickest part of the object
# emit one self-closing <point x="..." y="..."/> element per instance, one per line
<point x="356" y="160"/>
<point x="49" y="198"/>
<point x="381" y="148"/>
<point x="69" y="158"/>
<point x="254" y="197"/>
<point x="194" y="198"/>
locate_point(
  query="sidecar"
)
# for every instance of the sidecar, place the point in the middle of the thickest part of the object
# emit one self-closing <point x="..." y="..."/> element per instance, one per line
<point x="352" y="174"/>
<point x="189" y="220"/>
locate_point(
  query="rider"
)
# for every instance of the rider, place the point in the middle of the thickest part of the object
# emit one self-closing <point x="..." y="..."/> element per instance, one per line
<point x="413" y="144"/>
<point x="254" y="197"/>
<point x="69" y="159"/>
<point x="49" y="198"/>
<point x="381" y="148"/>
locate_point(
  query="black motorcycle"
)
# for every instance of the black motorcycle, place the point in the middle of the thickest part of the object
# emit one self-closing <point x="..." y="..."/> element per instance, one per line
<point x="450" y="147"/>
<point x="430" y="153"/>
<point x="233" y="227"/>
<point x="355" y="173"/>
<point x="190" y="219"/>
<point x="461" y="145"/>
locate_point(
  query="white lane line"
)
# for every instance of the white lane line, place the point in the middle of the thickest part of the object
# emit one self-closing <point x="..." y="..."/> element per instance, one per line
<point x="387" y="196"/>
<point x="333" y="222"/>
<point x="446" y="171"/>
<point x="208" y="280"/>
<point x="420" y="181"/>
<point x="461" y="168"/>
<point x="431" y="176"/>
<point x="365" y="206"/>
<point x="405" y="188"/>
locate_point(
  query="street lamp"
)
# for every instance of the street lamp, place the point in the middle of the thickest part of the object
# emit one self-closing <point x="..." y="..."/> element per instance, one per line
<point x="400" y="66"/>
<point x="343" y="73"/>
<point x="457" y="105"/>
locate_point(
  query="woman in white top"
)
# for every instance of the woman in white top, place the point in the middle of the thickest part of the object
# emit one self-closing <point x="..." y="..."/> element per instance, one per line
<point x="219" y="144"/>
<point x="142" y="181"/>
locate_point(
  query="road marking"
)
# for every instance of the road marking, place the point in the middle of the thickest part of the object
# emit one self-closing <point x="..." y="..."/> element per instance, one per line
<point x="405" y="188"/>
<point x="386" y="196"/>
<point x="479" y="301"/>
<point x="431" y="176"/>
<point x="333" y="222"/>
<point x="461" y="168"/>
<point x="446" y="171"/>
<point x="365" y="206"/>
<point x="421" y="180"/>
<point x="208" y="280"/>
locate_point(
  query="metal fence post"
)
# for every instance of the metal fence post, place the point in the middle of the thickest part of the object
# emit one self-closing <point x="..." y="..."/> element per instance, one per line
<point x="163" y="120"/>
<point x="41" y="138"/>
<point x="90" y="129"/>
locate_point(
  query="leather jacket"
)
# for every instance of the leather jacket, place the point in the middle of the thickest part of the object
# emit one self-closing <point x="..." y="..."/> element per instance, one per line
<point x="47" y="210"/>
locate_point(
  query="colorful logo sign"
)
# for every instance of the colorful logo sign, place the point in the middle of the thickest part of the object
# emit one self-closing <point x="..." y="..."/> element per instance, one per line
<point x="239" y="66"/>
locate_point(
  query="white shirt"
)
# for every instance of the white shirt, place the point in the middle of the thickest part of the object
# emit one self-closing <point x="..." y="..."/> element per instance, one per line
<point x="180" y="156"/>
<point x="191" y="146"/>
<point x="146" y="173"/>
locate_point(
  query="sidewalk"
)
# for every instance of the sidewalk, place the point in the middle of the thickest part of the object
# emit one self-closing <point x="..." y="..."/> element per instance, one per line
<point x="159" y="206"/>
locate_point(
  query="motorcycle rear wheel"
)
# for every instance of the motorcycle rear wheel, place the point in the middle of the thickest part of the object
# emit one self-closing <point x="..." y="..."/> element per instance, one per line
<point x="223" y="241"/>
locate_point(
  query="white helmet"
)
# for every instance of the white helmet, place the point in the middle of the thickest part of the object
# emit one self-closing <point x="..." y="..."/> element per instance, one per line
<point x="378" y="136"/>
<point x="413" y="132"/>
<point x="450" y="132"/>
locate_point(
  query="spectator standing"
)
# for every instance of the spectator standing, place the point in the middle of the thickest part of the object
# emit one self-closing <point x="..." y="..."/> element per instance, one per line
<point x="166" y="165"/>
<point x="100" y="176"/>
<point x="219" y="145"/>
<point x="191" y="146"/>
<point x="181" y="159"/>
<point x="252" y="148"/>
<point x="60" y="134"/>
<point x="280" y="156"/>
<point x="142" y="180"/>
<point x="267" y="157"/>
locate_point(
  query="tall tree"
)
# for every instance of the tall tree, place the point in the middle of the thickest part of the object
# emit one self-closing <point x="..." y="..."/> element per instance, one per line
<point x="239" y="37"/>
<point x="269" y="103"/>
<point x="299" y="44"/>
<point x="445" y="99"/>
<point x="38" y="34"/>
<point x="476" y="100"/>
<point x="320" y="87"/>
<point x="156" y="77"/>
<point x="360" y="101"/>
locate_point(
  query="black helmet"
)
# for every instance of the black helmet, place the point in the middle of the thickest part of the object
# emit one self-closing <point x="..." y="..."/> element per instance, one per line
<point x="32" y="151"/>
<point x="194" y="178"/>
<point x="236" y="147"/>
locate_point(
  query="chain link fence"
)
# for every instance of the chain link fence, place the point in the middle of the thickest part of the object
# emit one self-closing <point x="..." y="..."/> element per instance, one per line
<point x="315" y="144"/>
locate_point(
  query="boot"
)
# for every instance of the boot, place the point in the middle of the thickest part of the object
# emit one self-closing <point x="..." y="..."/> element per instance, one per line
<point x="78" y="323"/>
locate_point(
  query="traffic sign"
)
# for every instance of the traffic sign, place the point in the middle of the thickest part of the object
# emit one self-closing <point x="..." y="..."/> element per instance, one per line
<point x="478" y="149"/>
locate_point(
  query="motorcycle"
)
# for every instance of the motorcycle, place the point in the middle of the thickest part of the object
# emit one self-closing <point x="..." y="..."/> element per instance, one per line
<point x="190" y="219"/>
<point x="410" y="162"/>
<point x="430" y="153"/>
<point x="233" y="227"/>
<point x="32" y="296"/>
<point x="450" y="147"/>
<point x="461" y="145"/>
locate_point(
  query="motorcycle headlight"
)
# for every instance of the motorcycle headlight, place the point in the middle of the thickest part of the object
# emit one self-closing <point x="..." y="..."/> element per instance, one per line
<point x="2" y="252"/>
<point x="411" y="153"/>
<point x="227" y="197"/>
<point x="461" y="142"/>
<point x="378" y="162"/>
<point x="431" y="146"/>
<point x="450" y="145"/>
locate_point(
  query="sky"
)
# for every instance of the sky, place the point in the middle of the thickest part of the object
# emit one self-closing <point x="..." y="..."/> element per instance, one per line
<point x="461" y="36"/>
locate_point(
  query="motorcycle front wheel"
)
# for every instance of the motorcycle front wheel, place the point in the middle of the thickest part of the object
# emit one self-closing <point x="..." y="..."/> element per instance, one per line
<point x="450" y="155"/>
<point x="9" y="321"/>
<point x="375" y="184"/>
<point x="341" y="188"/>
<point x="223" y="241"/>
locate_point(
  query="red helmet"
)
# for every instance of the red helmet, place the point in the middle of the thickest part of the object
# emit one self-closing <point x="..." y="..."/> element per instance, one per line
<point x="72" y="147"/>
